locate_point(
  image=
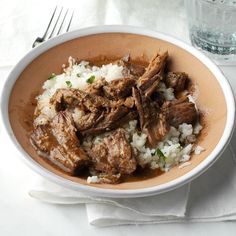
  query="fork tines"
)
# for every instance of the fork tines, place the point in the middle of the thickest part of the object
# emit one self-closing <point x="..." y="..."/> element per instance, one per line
<point x="60" y="22"/>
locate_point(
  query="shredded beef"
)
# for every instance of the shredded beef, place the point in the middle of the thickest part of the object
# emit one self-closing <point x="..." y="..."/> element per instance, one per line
<point x="113" y="155"/>
<point x="180" y="112"/>
<point x="59" y="144"/>
<point x="119" y="88"/>
<point x="71" y="98"/>
<point x="156" y="66"/>
<point x="176" y="80"/>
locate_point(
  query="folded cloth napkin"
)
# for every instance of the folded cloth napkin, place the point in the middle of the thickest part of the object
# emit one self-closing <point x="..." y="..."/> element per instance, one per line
<point x="211" y="197"/>
<point x="168" y="205"/>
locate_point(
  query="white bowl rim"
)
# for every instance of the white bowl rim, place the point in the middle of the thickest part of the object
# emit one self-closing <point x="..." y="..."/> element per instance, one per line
<point x="96" y="191"/>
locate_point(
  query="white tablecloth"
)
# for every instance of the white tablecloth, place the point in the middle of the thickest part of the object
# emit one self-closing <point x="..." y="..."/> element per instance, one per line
<point x="20" y="23"/>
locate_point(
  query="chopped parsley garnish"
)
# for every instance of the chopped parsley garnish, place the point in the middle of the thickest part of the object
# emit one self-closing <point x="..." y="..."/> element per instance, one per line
<point x="78" y="74"/>
<point x="69" y="84"/>
<point x="159" y="153"/>
<point x="52" y="76"/>
<point x="91" y="79"/>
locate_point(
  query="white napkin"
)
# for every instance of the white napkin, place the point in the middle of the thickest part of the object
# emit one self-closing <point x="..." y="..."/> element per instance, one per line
<point x="168" y="205"/>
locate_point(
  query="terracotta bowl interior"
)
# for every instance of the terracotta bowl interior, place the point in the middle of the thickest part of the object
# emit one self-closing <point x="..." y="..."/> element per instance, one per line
<point x="208" y="93"/>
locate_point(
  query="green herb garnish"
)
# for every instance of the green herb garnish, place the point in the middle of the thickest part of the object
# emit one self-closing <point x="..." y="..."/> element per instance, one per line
<point x="69" y="84"/>
<point x="159" y="153"/>
<point x="52" y="76"/>
<point x="78" y="74"/>
<point x="91" y="79"/>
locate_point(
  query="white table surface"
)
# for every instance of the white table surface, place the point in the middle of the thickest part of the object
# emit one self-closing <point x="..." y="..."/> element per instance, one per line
<point x="22" y="215"/>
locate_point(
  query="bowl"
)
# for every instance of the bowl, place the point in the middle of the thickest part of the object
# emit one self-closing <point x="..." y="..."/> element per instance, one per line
<point x="213" y="96"/>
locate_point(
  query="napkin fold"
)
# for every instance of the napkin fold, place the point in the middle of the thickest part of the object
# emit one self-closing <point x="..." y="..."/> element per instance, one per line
<point x="162" y="206"/>
<point x="211" y="197"/>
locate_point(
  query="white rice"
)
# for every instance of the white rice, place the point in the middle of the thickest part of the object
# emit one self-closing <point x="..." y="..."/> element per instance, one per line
<point x="168" y="93"/>
<point x="170" y="147"/>
<point x="76" y="75"/>
<point x="198" y="150"/>
<point x="93" y="179"/>
<point x="188" y="163"/>
<point x="197" y="128"/>
<point x="168" y="153"/>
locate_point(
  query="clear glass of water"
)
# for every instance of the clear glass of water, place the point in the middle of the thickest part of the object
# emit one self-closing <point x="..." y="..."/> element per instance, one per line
<point x="212" y="28"/>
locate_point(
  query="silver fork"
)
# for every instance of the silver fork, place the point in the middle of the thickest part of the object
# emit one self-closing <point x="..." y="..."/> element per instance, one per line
<point x="59" y="20"/>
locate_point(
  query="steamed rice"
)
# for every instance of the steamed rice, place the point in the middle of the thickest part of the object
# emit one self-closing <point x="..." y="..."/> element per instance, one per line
<point x="76" y="75"/>
<point x="168" y="153"/>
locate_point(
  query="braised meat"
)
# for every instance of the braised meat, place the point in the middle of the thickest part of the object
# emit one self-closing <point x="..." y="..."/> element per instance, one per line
<point x="152" y="122"/>
<point x="107" y="126"/>
<point x="129" y="102"/>
<point x="63" y="98"/>
<point x="113" y="155"/>
<point x="115" y="118"/>
<point x="63" y="129"/>
<point x="158" y="97"/>
<point x="119" y="88"/>
<point x="42" y="139"/>
<point x="156" y="66"/>
<point x="70" y="98"/>
<point x="180" y="112"/>
<point x="150" y="85"/>
<point x="59" y="144"/>
<point x="149" y="81"/>
<point x="157" y="130"/>
<point x="171" y="114"/>
<point x="130" y="69"/>
<point x="147" y="109"/>
<point x="91" y="102"/>
<point x="176" y="80"/>
<point x="97" y="87"/>
<point x="88" y="120"/>
<point x="136" y="70"/>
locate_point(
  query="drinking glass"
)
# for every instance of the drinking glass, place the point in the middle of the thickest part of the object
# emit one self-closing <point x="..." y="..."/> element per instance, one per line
<point x="212" y="28"/>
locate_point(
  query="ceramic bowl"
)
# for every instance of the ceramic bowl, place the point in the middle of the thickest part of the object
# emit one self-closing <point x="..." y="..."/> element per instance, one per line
<point x="213" y="95"/>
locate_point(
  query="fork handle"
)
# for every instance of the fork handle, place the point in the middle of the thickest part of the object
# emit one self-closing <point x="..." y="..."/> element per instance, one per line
<point x="37" y="41"/>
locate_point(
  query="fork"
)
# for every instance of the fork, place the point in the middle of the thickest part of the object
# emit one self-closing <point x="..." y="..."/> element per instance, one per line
<point x="57" y="28"/>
